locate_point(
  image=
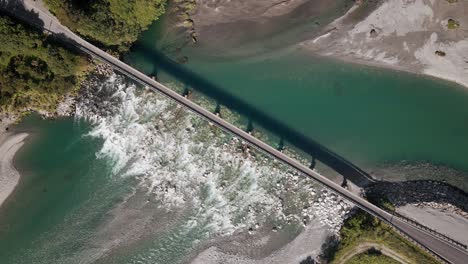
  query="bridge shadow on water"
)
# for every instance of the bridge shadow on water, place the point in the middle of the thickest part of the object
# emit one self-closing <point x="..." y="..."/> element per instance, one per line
<point x="208" y="88"/>
<point x="298" y="140"/>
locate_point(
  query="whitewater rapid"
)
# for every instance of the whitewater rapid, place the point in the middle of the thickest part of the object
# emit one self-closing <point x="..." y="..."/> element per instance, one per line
<point x="181" y="161"/>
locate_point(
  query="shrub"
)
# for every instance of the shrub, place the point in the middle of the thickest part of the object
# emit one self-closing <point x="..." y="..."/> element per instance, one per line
<point x="35" y="72"/>
<point x="452" y="24"/>
<point x="112" y="23"/>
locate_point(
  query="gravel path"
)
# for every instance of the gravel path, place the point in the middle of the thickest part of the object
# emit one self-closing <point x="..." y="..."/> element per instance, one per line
<point x="363" y="247"/>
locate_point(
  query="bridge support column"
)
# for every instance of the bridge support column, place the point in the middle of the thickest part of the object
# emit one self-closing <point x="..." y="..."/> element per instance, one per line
<point x="312" y="163"/>
<point x="344" y="184"/>
<point x="187" y="92"/>
<point x="250" y="127"/>
<point x="154" y="75"/>
<point x="217" y="110"/>
<point x="281" y="145"/>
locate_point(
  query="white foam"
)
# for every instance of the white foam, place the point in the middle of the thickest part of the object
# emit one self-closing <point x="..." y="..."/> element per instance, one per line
<point x="177" y="159"/>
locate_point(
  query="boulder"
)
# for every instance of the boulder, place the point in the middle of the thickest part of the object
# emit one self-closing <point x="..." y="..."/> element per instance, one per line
<point x="440" y="53"/>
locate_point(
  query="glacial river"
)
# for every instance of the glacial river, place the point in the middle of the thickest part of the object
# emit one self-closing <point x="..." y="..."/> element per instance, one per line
<point x="373" y="117"/>
<point x="73" y="205"/>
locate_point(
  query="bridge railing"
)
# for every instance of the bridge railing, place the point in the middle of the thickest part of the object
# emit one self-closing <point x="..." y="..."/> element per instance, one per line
<point x="429" y="230"/>
<point x="421" y="246"/>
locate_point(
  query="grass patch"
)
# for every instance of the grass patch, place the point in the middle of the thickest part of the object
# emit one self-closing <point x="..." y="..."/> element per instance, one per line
<point x="381" y="201"/>
<point x="362" y="227"/>
<point x="114" y="24"/>
<point x="35" y="71"/>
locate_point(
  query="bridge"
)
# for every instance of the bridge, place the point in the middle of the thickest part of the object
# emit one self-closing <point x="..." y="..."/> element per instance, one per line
<point x="29" y="12"/>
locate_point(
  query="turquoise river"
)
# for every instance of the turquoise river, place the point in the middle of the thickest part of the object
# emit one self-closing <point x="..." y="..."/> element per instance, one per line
<point x="383" y="121"/>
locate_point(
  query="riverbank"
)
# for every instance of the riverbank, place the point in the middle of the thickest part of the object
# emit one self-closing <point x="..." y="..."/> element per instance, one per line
<point x="240" y="28"/>
<point x="10" y="143"/>
<point x="423" y="37"/>
<point x="266" y="248"/>
<point x="437" y="205"/>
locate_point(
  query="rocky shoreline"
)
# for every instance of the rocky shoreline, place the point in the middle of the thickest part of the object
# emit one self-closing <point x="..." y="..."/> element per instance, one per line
<point x="296" y="202"/>
<point x="423" y="194"/>
<point x="66" y="107"/>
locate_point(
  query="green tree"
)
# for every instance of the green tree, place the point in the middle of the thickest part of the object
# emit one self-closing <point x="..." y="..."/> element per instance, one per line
<point x="35" y="72"/>
<point x="112" y="23"/>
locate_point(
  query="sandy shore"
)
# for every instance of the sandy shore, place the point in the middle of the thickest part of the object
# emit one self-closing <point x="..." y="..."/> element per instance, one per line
<point x="249" y="28"/>
<point x="402" y="35"/>
<point x="308" y="244"/>
<point x="9" y="144"/>
<point x="395" y="34"/>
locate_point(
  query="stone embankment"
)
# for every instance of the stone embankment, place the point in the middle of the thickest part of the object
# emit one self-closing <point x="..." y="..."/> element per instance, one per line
<point x="67" y="105"/>
<point x="424" y="193"/>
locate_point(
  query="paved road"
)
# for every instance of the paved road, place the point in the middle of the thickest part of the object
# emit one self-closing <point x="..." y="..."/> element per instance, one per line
<point x="443" y="249"/>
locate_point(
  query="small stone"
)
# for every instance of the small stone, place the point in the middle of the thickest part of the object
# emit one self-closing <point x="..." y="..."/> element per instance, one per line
<point x="440" y="53"/>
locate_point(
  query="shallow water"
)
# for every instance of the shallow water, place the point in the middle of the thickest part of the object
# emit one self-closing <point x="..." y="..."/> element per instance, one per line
<point x="63" y="191"/>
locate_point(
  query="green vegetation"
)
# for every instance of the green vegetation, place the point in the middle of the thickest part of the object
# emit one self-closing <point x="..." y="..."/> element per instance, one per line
<point x="452" y="1"/>
<point x="362" y="228"/>
<point x="367" y="258"/>
<point x="381" y="201"/>
<point x="35" y="72"/>
<point x="453" y="24"/>
<point x="113" y="23"/>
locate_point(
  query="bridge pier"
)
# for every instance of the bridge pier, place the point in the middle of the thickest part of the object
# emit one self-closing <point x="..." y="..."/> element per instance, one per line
<point x="250" y="127"/>
<point x="344" y="184"/>
<point x="281" y="145"/>
<point x="312" y="163"/>
<point x="217" y="110"/>
<point x="187" y="92"/>
<point x="154" y="77"/>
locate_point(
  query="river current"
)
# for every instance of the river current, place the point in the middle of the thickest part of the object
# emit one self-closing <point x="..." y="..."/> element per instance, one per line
<point x="134" y="170"/>
<point x="134" y="178"/>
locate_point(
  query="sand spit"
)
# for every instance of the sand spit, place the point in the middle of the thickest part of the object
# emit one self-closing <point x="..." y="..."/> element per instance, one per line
<point x="308" y="244"/>
<point x="409" y="35"/>
<point x="9" y="176"/>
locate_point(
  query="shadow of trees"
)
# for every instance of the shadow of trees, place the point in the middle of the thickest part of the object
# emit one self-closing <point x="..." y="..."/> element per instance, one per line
<point x="16" y="9"/>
